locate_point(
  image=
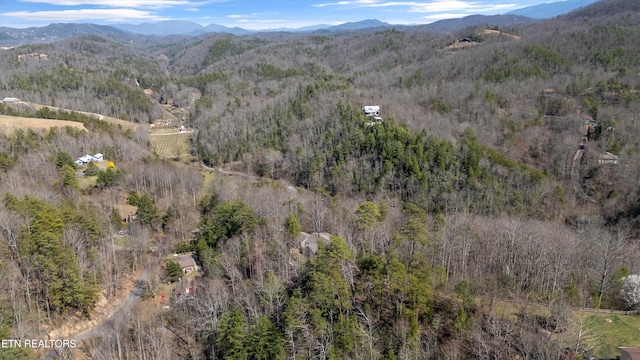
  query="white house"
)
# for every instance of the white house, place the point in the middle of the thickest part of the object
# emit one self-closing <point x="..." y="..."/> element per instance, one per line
<point x="85" y="159"/>
<point x="371" y="110"/>
<point x="11" y="99"/>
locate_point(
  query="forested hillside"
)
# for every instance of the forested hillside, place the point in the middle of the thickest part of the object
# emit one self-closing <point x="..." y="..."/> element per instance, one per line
<point x="504" y="170"/>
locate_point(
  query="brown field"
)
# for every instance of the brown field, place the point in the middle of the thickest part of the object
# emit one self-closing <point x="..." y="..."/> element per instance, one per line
<point x="171" y="143"/>
<point x="9" y="124"/>
<point x="123" y="123"/>
<point x="495" y="32"/>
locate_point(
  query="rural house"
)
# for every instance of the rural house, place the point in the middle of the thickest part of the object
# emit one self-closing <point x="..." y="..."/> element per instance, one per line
<point x="371" y="110"/>
<point x="629" y="353"/>
<point x="608" y="159"/>
<point x="309" y="243"/>
<point x="85" y="159"/>
<point x="187" y="263"/>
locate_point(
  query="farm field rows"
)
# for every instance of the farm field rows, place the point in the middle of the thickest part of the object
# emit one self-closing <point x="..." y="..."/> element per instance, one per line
<point x="168" y="145"/>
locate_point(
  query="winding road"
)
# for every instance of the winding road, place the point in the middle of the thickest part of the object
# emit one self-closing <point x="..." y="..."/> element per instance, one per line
<point x="107" y="327"/>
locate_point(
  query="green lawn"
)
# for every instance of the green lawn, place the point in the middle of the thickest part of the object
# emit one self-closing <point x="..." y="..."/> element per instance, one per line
<point x="600" y="333"/>
<point x="606" y="332"/>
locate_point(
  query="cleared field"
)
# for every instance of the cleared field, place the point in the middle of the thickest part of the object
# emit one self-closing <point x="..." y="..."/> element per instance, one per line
<point x="169" y="145"/>
<point x="606" y="332"/>
<point x="122" y="123"/>
<point x="601" y="333"/>
<point x="9" y="124"/>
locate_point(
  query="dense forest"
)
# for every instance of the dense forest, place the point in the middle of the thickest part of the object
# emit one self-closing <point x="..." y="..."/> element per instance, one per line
<point x="504" y="170"/>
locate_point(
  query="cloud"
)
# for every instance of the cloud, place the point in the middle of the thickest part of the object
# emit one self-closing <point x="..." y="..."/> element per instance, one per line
<point x="85" y="14"/>
<point x="426" y="6"/>
<point x="124" y="3"/>
<point x="456" y="5"/>
<point x="444" y="16"/>
<point x="263" y="15"/>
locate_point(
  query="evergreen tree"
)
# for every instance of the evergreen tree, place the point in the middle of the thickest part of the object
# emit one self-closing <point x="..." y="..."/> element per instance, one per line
<point x="55" y="263"/>
<point x="109" y="177"/>
<point x="69" y="178"/>
<point x="92" y="169"/>
<point x="173" y="271"/>
<point x="148" y="213"/>
<point x="63" y="158"/>
<point x="231" y="336"/>
<point x="264" y="341"/>
<point x="292" y="225"/>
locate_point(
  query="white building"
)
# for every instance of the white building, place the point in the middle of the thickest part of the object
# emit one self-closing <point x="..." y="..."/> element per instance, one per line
<point x="85" y="159"/>
<point x="371" y="110"/>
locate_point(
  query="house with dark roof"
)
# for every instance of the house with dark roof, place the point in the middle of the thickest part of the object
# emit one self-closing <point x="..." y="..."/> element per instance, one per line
<point x="629" y="353"/>
<point x="187" y="263"/>
<point x="309" y="243"/>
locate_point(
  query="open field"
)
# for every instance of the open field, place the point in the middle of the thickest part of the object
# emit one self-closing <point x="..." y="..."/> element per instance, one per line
<point x="171" y="144"/>
<point x="9" y="124"/>
<point x="122" y="123"/>
<point x="606" y="332"/>
<point x="602" y="333"/>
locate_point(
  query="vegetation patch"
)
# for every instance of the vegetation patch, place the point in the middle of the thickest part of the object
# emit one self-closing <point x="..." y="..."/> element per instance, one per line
<point x="607" y="332"/>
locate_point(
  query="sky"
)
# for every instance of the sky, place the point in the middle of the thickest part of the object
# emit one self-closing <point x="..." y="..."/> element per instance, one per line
<point x="247" y="14"/>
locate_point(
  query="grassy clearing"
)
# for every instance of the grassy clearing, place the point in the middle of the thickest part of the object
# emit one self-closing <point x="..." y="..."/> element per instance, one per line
<point x="606" y="332"/>
<point x="87" y="182"/>
<point x="9" y="124"/>
<point x="601" y="333"/>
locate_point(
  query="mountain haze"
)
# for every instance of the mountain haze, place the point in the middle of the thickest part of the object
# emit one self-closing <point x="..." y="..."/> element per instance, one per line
<point x="549" y="10"/>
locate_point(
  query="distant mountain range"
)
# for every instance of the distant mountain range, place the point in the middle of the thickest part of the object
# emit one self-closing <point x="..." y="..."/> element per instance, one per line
<point x="451" y="25"/>
<point x="176" y="27"/>
<point x="57" y="32"/>
<point x="549" y="10"/>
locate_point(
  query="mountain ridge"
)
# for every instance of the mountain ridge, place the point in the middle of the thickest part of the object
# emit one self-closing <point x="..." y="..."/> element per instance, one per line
<point x="61" y="31"/>
<point x="549" y="10"/>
